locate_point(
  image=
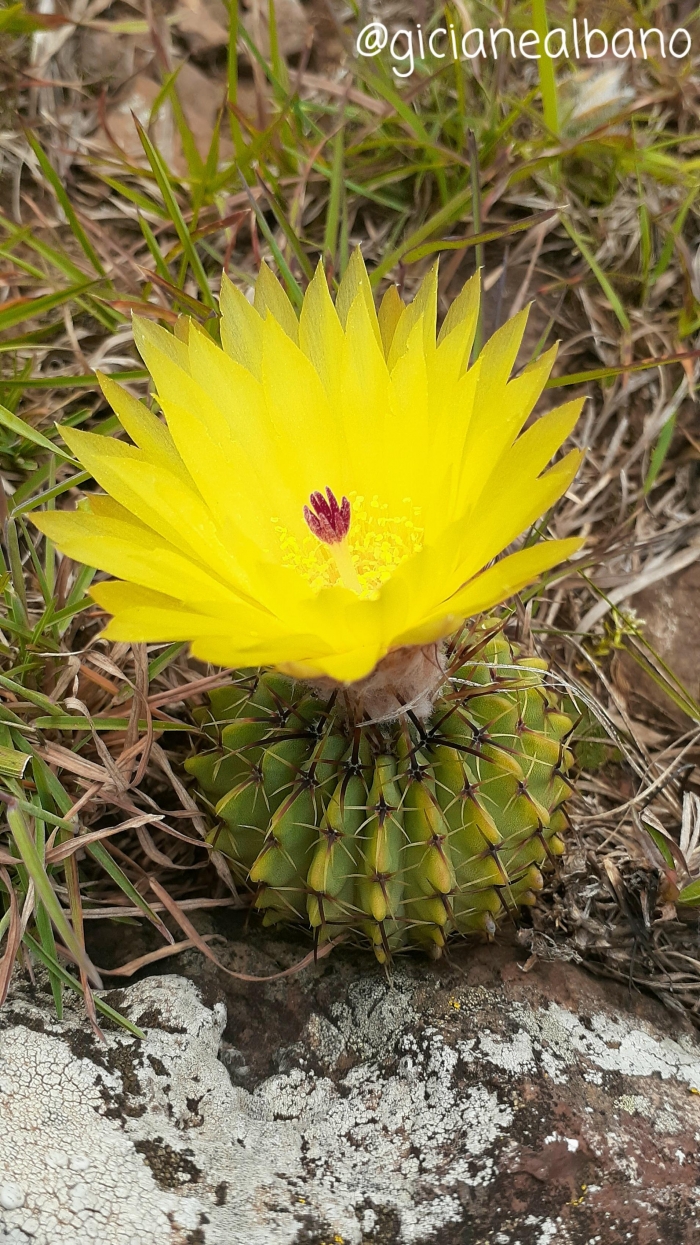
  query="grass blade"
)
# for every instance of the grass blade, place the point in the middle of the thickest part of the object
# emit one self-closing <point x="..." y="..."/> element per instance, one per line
<point x="110" y="866"/>
<point x="67" y="722"/>
<point x="48" y="942"/>
<point x="162" y="177"/>
<point x="441" y="219"/>
<point x="475" y="178"/>
<point x="59" y="190"/>
<point x="287" y="229"/>
<point x="294" y="290"/>
<point x="152" y="244"/>
<point x="545" y="66"/>
<point x="24" y="430"/>
<point x="21" y="309"/>
<point x="597" y="271"/>
<point x="88" y="381"/>
<point x="330" y="239"/>
<point x="35" y="868"/>
<point x="479" y="239"/>
<point x="607" y="373"/>
<point x="53" y="966"/>
<point x="659" y="453"/>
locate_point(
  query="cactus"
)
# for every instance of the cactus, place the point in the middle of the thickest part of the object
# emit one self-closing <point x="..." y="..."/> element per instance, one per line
<point x="402" y="831"/>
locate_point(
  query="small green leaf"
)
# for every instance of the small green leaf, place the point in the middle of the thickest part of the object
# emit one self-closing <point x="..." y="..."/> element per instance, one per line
<point x="13" y="763"/>
<point x="661" y="842"/>
<point x="690" y="894"/>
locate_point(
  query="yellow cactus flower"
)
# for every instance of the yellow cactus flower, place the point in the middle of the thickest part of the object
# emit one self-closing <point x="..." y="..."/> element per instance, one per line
<point x="324" y="489"/>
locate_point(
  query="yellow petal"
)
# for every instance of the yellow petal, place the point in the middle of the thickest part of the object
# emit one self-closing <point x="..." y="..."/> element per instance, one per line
<point x="106" y="507"/>
<point x="203" y="523"/>
<point x="228" y="482"/>
<point x="364" y="402"/>
<point x="134" y="552"/>
<point x="409" y="410"/>
<point x="241" y="328"/>
<point x="344" y="667"/>
<point x="160" y="500"/>
<point x="288" y="652"/>
<point x="270" y="298"/>
<point x="144" y="428"/>
<point x="115" y="595"/>
<point x="514" y="503"/>
<point x="390" y="312"/>
<point x="145" y="625"/>
<point x="320" y="332"/>
<point x="150" y="336"/>
<point x="308" y="435"/>
<point x="423" y="308"/>
<point x="535" y="448"/>
<point x="464" y="309"/>
<point x="175" y="383"/>
<point x="488" y="589"/>
<point x="229" y="401"/>
<point x="355" y="281"/>
<point x="499" y="415"/>
<point x="142" y="615"/>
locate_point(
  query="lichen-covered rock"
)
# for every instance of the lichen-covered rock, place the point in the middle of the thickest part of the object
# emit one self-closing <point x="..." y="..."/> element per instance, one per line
<point x="443" y="1106"/>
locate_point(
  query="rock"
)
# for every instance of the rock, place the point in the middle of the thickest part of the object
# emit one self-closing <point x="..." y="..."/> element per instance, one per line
<point x="139" y="99"/>
<point x="447" y="1105"/>
<point x="203" y="24"/>
<point x="105" y="59"/>
<point x="292" y="26"/>
<point x="201" y="103"/>
<point x="11" y="1196"/>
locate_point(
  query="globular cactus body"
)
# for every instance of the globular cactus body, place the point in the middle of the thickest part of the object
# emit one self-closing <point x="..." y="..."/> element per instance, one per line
<point x="402" y="831"/>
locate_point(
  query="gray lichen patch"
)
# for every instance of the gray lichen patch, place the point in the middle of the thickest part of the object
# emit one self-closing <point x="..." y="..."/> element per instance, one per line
<point x="68" y="1174"/>
<point x="401" y="1112"/>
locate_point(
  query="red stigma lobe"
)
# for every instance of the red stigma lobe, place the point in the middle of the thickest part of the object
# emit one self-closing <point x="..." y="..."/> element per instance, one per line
<point x="327" y="520"/>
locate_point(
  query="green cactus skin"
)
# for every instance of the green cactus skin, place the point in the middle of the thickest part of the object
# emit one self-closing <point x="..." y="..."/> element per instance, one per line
<point x="404" y="832"/>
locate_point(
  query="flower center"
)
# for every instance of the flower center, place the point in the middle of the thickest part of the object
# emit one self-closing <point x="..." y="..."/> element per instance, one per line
<point x="371" y="549"/>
